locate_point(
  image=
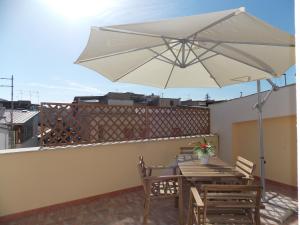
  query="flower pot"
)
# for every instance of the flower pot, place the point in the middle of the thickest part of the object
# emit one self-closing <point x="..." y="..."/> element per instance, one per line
<point x="204" y="159"/>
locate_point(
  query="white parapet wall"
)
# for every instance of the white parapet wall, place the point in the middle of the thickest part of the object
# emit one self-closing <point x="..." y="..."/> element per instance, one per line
<point x="224" y="115"/>
<point x="33" y="178"/>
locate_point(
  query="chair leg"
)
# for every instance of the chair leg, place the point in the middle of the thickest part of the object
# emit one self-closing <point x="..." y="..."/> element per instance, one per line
<point x="180" y="208"/>
<point x="257" y="216"/>
<point x="190" y="211"/>
<point x="146" y="210"/>
<point x="180" y="201"/>
<point x="176" y="202"/>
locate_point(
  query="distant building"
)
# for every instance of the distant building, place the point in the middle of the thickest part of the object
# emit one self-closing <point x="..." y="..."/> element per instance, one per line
<point x="116" y="98"/>
<point x="4" y="136"/>
<point x="20" y="104"/>
<point x="129" y="98"/>
<point x="112" y="98"/>
<point x="120" y="102"/>
<point x="169" y="102"/>
<point x="199" y="103"/>
<point x="151" y="100"/>
<point x="210" y="102"/>
<point x="4" y="131"/>
<point x="194" y="103"/>
<point x="25" y="127"/>
<point x="88" y="99"/>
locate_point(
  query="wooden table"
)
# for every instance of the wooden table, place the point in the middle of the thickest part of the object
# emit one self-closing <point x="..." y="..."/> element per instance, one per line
<point x="215" y="170"/>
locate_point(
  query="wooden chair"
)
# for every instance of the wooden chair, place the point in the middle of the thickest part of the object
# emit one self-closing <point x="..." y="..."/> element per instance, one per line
<point x="225" y="204"/>
<point x="186" y="150"/>
<point x="160" y="187"/>
<point x="245" y="167"/>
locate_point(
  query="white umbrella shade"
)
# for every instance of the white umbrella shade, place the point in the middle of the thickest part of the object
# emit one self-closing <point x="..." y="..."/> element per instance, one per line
<point x="208" y="50"/>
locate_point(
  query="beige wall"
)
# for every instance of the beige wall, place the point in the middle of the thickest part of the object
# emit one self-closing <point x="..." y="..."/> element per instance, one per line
<point x="30" y="180"/>
<point x="224" y="115"/>
<point x="280" y="147"/>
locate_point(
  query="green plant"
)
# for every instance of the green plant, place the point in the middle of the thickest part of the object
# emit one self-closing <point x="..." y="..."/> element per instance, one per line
<point x="204" y="148"/>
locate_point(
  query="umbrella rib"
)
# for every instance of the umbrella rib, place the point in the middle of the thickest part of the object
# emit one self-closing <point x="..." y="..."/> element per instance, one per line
<point x="182" y="54"/>
<point x="187" y="55"/>
<point x="166" y="61"/>
<point x="230" y="57"/>
<point x="211" y="76"/>
<point x="238" y="11"/>
<point x="173" y="66"/>
<point x="170" y="48"/>
<point x="143" y="64"/>
<point x="260" y="62"/>
<point x="136" y="33"/>
<point x="245" y="43"/>
<point x="208" y="57"/>
<point x="169" y="60"/>
<point x="120" y="53"/>
<point x="206" y="51"/>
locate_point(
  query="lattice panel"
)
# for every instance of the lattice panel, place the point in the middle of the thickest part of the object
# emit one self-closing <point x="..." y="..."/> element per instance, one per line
<point x="68" y="124"/>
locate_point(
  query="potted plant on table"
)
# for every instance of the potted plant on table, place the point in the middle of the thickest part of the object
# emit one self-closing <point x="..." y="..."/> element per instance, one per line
<point x="204" y="151"/>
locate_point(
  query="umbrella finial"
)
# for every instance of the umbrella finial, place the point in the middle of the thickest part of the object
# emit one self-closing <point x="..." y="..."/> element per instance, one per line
<point x="240" y="10"/>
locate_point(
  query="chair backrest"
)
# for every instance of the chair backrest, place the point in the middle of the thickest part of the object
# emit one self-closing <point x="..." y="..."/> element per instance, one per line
<point x="168" y="181"/>
<point x="186" y="150"/>
<point x="231" y="198"/>
<point x="225" y="195"/>
<point x="225" y="204"/>
<point x="245" y="167"/>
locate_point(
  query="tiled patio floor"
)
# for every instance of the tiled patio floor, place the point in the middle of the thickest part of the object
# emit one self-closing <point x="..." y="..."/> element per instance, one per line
<point x="124" y="209"/>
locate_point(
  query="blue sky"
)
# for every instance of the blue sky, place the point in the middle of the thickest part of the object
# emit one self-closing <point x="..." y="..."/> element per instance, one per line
<point x="40" y="40"/>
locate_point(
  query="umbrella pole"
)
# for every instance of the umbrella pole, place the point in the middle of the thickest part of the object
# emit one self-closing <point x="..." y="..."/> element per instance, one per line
<point x="261" y="141"/>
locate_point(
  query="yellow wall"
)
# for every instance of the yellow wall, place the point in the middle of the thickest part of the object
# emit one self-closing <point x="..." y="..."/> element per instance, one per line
<point x="280" y="147"/>
<point x="36" y="179"/>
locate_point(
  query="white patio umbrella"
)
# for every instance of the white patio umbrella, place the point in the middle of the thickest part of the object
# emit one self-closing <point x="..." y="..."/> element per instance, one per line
<point x="208" y="50"/>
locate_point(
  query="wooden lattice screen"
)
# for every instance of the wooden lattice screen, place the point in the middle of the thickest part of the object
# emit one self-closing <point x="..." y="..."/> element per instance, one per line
<point x="84" y="123"/>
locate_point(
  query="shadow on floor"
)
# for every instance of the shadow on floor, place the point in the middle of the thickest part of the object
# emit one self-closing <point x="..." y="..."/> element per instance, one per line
<point x="127" y="209"/>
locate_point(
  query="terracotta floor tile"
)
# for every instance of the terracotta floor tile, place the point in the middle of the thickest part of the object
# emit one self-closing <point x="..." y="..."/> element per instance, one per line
<point x="124" y="209"/>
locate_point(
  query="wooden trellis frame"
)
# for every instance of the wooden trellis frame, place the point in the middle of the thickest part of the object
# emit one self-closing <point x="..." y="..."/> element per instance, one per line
<point x="85" y="123"/>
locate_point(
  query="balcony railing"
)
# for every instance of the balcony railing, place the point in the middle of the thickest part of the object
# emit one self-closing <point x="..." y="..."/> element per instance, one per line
<point x="85" y="123"/>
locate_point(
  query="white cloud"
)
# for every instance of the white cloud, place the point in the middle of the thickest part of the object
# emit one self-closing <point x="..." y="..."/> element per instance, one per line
<point x="69" y="86"/>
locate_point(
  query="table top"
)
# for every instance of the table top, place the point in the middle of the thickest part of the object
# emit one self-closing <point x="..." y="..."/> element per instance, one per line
<point x="215" y="169"/>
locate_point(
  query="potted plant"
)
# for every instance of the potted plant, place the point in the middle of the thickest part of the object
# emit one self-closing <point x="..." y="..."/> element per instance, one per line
<point x="204" y="151"/>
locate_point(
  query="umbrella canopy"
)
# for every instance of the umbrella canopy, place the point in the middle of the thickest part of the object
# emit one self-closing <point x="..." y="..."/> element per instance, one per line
<point x="208" y="50"/>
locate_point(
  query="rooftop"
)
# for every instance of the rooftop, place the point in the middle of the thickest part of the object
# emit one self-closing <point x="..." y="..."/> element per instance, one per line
<point x="19" y="116"/>
<point x="127" y="209"/>
<point x="99" y="184"/>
